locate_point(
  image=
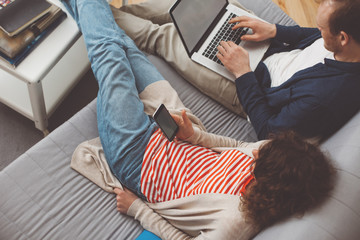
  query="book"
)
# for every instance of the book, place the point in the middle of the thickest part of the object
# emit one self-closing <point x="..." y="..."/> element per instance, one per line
<point x="14" y="49"/>
<point x="11" y="46"/>
<point x="16" y="15"/>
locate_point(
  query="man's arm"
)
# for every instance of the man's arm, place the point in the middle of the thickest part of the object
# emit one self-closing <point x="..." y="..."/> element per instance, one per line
<point x="295" y="34"/>
<point x="297" y="114"/>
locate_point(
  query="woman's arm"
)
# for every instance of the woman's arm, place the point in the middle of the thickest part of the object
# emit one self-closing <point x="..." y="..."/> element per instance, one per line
<point x="154" y="223"/>
<point x="197" y="136"/>
<point x="211" y="140"/>
<point x="128" y="203"/>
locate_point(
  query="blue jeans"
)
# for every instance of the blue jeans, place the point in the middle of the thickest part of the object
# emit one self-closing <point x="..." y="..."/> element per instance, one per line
<point x="122" y="72"/>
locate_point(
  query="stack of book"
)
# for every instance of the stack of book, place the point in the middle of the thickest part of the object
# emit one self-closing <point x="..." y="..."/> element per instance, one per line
<point x="23" y="25"/>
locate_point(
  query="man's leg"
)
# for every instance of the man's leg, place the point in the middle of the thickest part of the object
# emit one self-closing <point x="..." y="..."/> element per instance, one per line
<point x="163" y="40"/>
<point x="122" y="71"/>
<point x="157" y="11"/>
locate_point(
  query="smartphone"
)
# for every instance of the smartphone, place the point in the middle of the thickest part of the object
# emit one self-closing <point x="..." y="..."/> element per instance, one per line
<point x="166" y="123"/>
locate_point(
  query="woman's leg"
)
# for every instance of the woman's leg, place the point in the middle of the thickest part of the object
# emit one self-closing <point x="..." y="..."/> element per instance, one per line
<point x="122" y="71"/>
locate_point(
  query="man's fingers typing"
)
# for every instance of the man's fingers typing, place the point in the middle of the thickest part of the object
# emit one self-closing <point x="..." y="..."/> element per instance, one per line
<point x="221" y="49"/>
<point x="225" y="45"/>
<point x="250" y="37"/>
<point x="240" y="19"/>
<point x="231" y="44"/>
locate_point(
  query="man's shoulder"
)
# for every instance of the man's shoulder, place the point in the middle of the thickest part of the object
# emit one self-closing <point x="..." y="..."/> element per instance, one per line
<point x="352" y="68"/>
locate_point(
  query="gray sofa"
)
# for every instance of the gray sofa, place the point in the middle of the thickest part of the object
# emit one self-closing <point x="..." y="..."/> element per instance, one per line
<point x="41" y="197"/>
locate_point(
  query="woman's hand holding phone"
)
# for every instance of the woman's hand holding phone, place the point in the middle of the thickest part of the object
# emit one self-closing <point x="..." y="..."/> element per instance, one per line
<point x="186" y="129"/>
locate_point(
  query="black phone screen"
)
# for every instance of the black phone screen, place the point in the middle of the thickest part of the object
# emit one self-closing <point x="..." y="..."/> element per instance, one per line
<point x="166" y="123"/>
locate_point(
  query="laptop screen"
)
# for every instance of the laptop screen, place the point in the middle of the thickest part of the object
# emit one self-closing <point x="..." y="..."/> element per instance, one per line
<point x="194" y="17"/>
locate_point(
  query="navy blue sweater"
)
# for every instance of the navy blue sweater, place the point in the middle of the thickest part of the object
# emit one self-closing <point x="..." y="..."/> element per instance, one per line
<point x="315" y="101"/>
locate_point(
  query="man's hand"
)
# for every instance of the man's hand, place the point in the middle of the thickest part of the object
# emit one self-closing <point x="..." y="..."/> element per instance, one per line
<point x="124" y="199"/>
<point x="234" y="58"/>
<point x="261" y="30"/>
<point x="186" y="129"/>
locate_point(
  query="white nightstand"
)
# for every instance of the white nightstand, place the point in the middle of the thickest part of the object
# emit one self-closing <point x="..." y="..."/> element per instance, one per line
<point x="44" y="78"/>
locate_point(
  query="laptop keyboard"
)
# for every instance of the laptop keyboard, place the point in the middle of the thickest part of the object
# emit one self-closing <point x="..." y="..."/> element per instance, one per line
<point x="224" y="34"/>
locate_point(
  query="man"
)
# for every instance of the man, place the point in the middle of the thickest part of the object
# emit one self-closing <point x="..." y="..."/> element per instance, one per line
<point x="316" y="96"/>
<point x="308" y="82"/>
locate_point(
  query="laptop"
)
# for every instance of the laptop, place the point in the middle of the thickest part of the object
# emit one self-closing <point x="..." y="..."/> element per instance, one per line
<point x="16" y="15"/>
<point x="202" y="24"/>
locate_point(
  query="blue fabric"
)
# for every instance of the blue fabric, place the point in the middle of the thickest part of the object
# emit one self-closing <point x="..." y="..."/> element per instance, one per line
<point x="146" y="235"/>
<point x="122" y="72"/>
<point x="315" y="101"/>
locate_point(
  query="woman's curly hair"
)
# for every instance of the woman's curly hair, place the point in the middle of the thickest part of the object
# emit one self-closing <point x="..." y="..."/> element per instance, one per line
<point x="291" y="176"/>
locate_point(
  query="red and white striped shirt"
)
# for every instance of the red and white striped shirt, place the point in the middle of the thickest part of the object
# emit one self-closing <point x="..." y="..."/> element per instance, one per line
<point x="172" y="170"/>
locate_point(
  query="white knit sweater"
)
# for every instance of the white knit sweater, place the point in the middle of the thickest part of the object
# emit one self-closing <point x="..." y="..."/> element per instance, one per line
<point x="206" y="216"/>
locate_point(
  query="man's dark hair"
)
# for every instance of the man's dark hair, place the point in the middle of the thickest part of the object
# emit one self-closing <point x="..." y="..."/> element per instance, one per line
<point x="346" y="17"/>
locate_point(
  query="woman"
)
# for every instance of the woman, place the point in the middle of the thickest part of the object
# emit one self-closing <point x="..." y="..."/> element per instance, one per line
<point x="194" y="183"/>
<point x="289" y="176"/>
